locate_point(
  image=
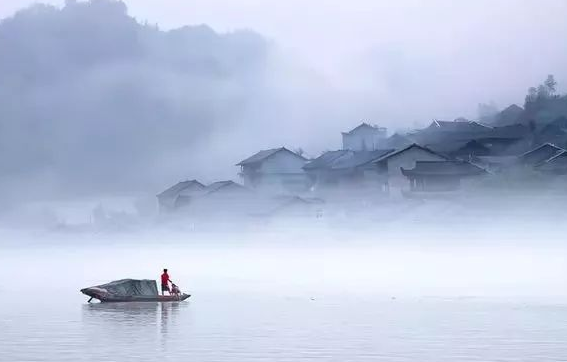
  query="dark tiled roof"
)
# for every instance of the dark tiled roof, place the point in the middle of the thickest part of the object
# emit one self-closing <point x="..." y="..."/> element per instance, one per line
<point x="561" y="156"/>
<point x="219" y="185"/>
<point x="512" y="131"/>
<point x="556" y="164"/>
<point x="360" y="158"/>
<point x="487" y="147"/>
<point x="325" y="160"/>
<point x="540" y="154"/>
<point x="398" y="141"/>
<point x="263" y="155"/>
<point x="174" y="190"/>
<point x="499" y="160"/>
<point x="344" y="159"/>
<point x="414" y="145"/>
<point x="441" y="168"/>
<point x="447" y="147"/>
<point x="468" y="126"/>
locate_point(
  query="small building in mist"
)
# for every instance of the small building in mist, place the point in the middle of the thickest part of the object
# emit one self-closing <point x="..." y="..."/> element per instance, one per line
<point x="277" y="169"/>
<point x="539" y="155"/>
<point x="222" y="198"/>
<point x="365" y="137"/>
<point x="547" y="159"/>
<point x="379" y="169"/>
<point x="346" y="168"/>
<point x="398" y="141"/>
<point x="230" y="202"/>
<point x="390" y="165"/>
<point x="484" y="142"/>
<point x="178" y="195"/>
<point x="436" y="176"/>
<point x="555" y="165"/>
<point x="186" y="194"/>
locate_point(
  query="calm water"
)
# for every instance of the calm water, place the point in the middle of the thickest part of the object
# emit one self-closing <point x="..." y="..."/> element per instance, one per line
<point x="288" y="304"/>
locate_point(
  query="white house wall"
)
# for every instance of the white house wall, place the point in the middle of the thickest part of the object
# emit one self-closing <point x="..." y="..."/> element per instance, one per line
<point x="280" y="172"/>
<point x="364" y="139"/>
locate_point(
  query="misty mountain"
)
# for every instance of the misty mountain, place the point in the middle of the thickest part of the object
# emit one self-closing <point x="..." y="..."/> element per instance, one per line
<point x="91" y="100"/>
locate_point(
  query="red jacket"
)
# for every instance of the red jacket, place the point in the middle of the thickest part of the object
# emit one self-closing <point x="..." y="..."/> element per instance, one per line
<point x="164" y="279"/>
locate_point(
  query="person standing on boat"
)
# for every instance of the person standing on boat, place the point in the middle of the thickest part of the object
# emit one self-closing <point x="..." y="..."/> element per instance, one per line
<point x="165" y="282"/>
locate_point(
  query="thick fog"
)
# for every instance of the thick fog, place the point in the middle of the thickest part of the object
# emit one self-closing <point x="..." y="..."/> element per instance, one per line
<point x="389" y="252"/>
<point x="97" y="98"/>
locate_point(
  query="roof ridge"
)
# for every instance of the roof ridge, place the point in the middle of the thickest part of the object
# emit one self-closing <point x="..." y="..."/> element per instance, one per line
<point x="542" y="145"/>
<point x="264" y="154"/>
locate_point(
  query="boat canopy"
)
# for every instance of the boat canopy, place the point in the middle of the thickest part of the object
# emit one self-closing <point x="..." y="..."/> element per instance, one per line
<point x="130" y="287"/>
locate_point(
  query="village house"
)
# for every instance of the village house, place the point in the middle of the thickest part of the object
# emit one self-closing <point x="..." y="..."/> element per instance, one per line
<point x="398" y="141"/>
<point x="496" y="141"/>
<point x="432" y="176"/>
<point x="438" y="158"/>
<point x="178" y="195"/>
<point x="494" y="164"/>
<point x="380" y="169"/>
<point x="445" y="131"/>
<point x="229" y="201"/>
<point x="556" y="165"/>
<point x="346" y="168"/>
<point x="188" y="193"/>
<point x="365" y="137"/>
<point x="277" y="169"/>
<point x="391" y="163"/>
<point x="222" y="198"/>
<point x="539" y="155"/>
<point x="459" y="125"/>
<point x="548" y="159"/>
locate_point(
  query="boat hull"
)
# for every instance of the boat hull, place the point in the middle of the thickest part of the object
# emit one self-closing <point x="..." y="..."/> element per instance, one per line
<point x="95" y="293"/>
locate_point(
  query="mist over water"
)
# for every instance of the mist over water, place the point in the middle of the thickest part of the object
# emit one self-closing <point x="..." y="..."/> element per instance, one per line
<point x="100" y="110"/>
<point x="436" y="292"/>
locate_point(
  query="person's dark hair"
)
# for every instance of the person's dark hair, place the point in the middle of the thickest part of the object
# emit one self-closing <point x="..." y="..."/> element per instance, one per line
<point x="165" y="270"/>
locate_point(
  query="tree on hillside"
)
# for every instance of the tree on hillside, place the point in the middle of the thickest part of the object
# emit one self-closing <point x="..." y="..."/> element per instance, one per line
<point x="531" y="96"/>
<point x="550" y="84"/>
<point x="537" y="96"/>
<point x="543" y="104"/>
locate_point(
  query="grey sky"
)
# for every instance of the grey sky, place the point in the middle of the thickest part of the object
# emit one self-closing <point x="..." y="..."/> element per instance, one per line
<point x="466" y="51"/>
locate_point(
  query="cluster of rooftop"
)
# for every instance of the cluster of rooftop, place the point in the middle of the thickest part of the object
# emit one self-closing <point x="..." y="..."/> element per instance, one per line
<point x="439" y="158"/>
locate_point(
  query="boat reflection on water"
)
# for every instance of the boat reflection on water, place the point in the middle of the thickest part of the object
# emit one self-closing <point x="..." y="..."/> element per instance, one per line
<point x="109" y="322"/>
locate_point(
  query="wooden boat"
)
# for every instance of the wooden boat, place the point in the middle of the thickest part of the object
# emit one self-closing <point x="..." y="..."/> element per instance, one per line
<point x="130" y="290"/>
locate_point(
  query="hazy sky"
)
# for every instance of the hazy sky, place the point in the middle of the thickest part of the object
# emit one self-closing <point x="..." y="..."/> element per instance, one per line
<point x="473" y="51"/>
<point x="336" y="63"/>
